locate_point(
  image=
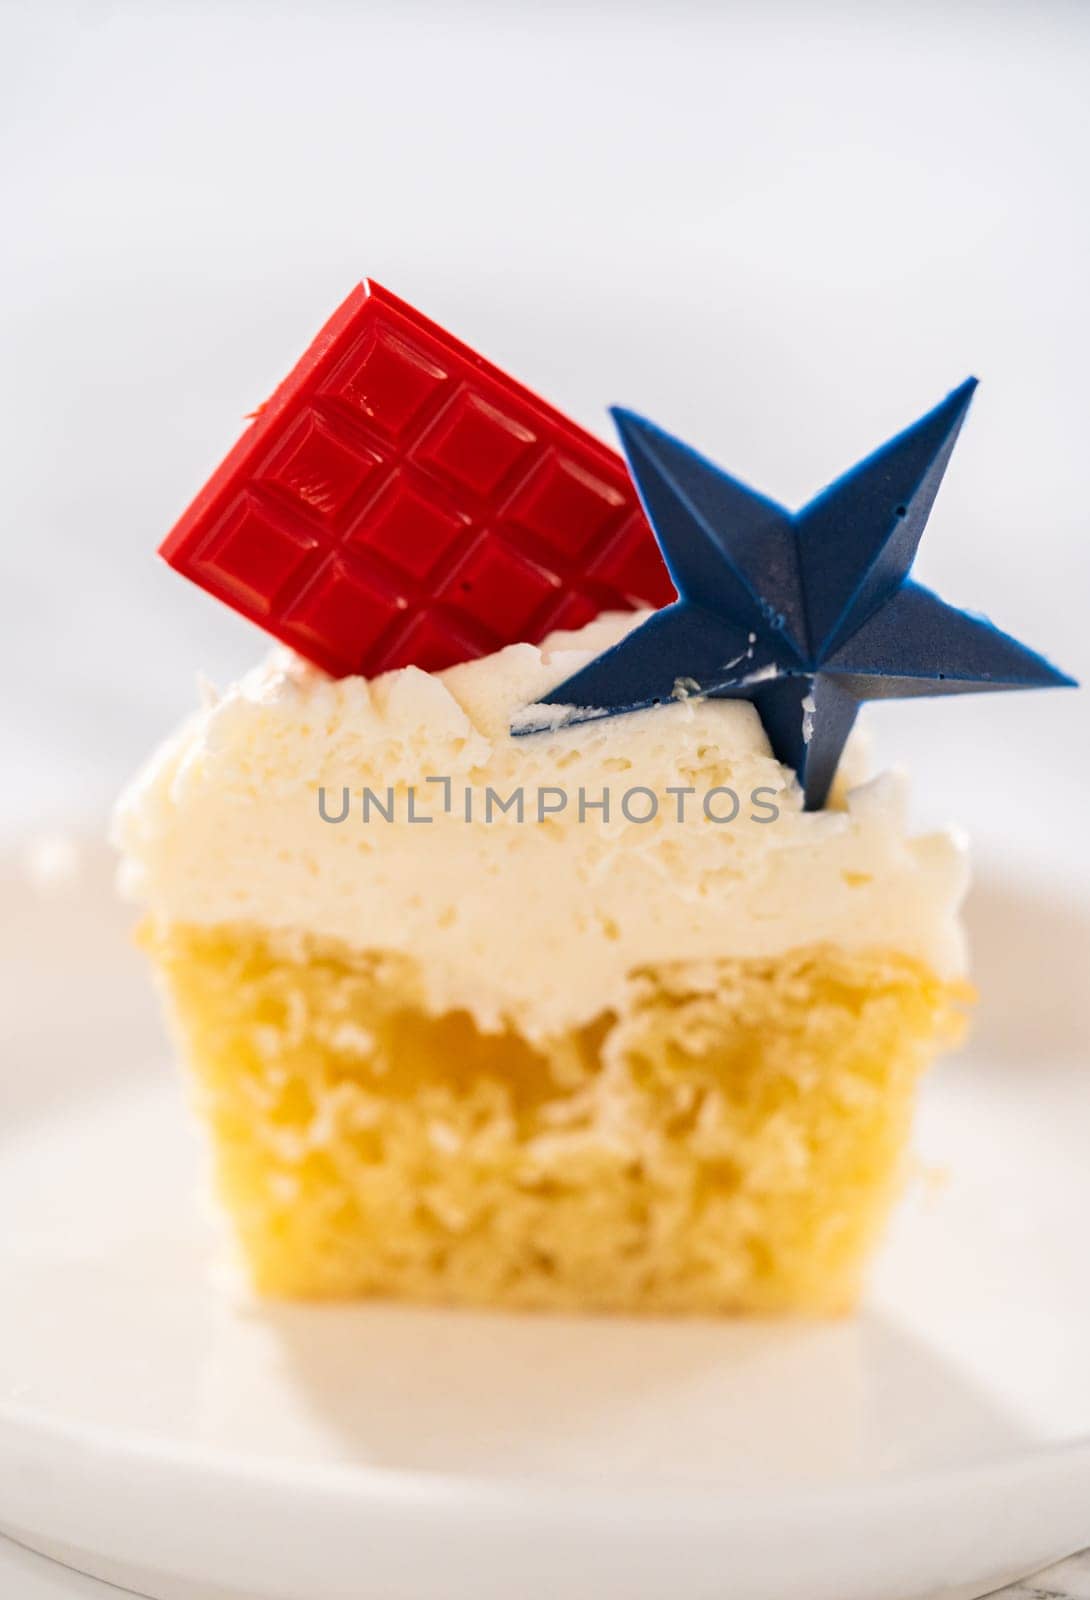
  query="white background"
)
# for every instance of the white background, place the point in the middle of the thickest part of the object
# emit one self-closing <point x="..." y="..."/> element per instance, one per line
<point x="780" y="230"/>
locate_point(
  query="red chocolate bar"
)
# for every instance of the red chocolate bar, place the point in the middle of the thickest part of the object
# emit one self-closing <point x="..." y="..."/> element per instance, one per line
<point x="401" y="501"/>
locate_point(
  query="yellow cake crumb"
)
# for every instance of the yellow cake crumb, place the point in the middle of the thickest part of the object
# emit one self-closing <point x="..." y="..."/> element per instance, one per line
<point x="730" y="1139"/>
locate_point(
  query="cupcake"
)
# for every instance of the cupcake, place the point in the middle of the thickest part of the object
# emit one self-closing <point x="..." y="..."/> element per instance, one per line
<point x="516" y="964"/>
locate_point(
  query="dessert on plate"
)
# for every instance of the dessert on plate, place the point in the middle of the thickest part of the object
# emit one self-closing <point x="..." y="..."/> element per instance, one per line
<point x="527" y="935"/>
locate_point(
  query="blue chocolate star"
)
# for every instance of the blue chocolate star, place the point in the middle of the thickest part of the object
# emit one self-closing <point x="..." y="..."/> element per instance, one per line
<point x="807" y="613"/>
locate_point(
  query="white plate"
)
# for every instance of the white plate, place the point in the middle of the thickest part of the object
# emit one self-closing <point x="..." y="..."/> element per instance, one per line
<point x="24" y="1575"/>
<point x="159" y="1430"/>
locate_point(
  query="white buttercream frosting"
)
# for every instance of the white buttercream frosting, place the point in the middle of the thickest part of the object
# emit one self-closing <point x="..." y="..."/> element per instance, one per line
<point x="537" y="920"/>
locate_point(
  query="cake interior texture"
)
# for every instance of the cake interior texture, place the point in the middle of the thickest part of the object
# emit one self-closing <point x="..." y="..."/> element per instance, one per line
<point x="727" y="1137"/>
